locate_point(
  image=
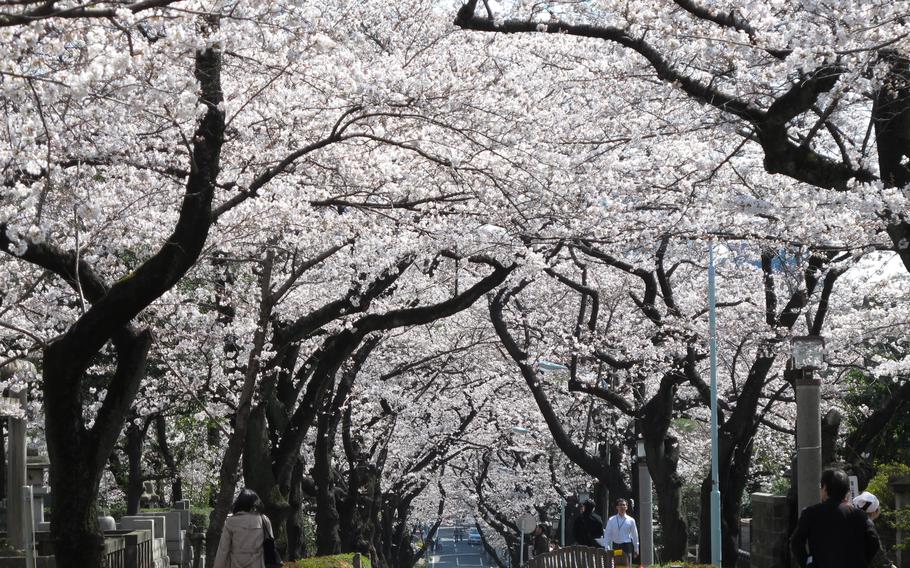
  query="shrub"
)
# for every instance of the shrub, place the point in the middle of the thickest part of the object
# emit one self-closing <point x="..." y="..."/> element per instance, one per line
<point x="881" y="488"/>
<point x="339" y="561"/>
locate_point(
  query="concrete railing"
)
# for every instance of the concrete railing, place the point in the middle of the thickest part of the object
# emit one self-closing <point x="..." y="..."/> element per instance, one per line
<point x="573" y="557"/>
<point x="115" y="552"/>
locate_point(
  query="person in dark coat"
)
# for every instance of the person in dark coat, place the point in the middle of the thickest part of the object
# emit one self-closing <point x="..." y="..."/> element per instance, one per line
<point x="833" y="533"/>
<point x="587" y="527"/>
<point x="541" y="540"/>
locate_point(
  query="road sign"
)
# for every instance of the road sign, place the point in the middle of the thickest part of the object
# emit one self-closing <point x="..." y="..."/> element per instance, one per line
<point x="527" y="522"/>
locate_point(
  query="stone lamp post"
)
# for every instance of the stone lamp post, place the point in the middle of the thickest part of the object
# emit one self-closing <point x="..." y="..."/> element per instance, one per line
<point x="645" y="507"/>
<point x="808" y="355"/>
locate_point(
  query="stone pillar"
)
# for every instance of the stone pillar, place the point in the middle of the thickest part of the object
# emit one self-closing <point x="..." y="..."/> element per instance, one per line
<point x="14" y="409"/>
<point x="901" y="489"/>
<point x="28" y="526"/>
<point x="770" y="539"/>
<point x="645" y="524"/>
<point x="808" y="440"/>
<point x="16" y="478"/>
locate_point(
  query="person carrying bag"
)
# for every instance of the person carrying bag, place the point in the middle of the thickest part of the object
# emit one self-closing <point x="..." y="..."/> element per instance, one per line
<point x="247" y="540"/>
<point x="270" y="556"/>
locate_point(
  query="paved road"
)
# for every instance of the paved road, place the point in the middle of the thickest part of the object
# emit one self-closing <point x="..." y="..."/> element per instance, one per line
<point x="456" y="555"/>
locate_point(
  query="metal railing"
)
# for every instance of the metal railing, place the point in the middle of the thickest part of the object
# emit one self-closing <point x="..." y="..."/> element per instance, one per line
<point x="573" y="557"/>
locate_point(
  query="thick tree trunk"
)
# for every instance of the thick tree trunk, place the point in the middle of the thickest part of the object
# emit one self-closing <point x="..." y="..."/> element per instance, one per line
<point x="891" y="117"/>
<point x="668" y="487"/>
<point x="74" y="523"/>
<point x="735" y="462"/>
<point x="663" y="456"/>
<point x="257" y="471"/>
<point x="168" y="456"/>
<point x="296" y="539"/>
<point x="328" y="538"/>
<point x="134" y="481"/>
<point x="78" y="456"/>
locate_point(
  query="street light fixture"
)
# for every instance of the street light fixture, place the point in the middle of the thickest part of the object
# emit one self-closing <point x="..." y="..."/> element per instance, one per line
<point x="545" y="365"/>
<point x="808" y="352"/>
<point x="808" y="355"/>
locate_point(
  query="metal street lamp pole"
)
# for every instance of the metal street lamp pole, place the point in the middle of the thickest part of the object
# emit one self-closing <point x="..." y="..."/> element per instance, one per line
<point x="521" y="548"/>
<point x="715" y="477"/>
<point x="562" y="521"/>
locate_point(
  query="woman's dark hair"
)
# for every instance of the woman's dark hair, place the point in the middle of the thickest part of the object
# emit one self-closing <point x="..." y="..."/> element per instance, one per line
<point x="247" y="502"/>
<point x="836" y="483"/>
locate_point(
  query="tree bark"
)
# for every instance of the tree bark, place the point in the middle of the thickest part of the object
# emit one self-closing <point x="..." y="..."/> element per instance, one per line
<point x="663" y="456"/>
<point x="891" y="118"/>
<point x="328" y="539"/>
<point x="135" y="437"/>
<point x="168" y="457"/>
<point x="227" y="477"/>
<point x="75" y="468"/>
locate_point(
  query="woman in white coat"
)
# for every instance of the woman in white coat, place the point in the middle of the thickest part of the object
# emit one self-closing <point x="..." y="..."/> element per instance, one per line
<point x="244" y="531"/>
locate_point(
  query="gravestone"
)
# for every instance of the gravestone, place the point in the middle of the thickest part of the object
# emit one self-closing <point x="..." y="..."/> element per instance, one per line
<point x="137" y="524"/>
<point x="36" y="469"/>
<point x="160" y="542"/>
<point x="770" y="541"/>
<point x="154" y="524"/>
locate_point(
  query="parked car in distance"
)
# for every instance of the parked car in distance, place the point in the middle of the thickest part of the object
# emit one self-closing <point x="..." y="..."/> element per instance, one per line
<point x="473" y="536"/>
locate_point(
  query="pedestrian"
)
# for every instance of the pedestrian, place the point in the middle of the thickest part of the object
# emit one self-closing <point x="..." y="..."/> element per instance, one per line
<point x="243" y="534"/>
<point x="541" y="540"/>
<point x="869" y="503"/>
<point x="833" y="533"/>
<point x="587" y="528"/>
<point x="621" y="534"/>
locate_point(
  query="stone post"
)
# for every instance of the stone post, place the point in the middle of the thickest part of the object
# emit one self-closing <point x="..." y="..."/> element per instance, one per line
<point x="14" y="409"/>
<point x="769" y="547"/>
<point x="901" y="489"/>
<point x="808" y="439"/>
<point x="28" y="525"/>
<point x="16" y="478"/>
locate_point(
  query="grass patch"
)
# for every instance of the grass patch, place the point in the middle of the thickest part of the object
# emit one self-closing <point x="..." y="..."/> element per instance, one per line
<point x="338" y="561"/>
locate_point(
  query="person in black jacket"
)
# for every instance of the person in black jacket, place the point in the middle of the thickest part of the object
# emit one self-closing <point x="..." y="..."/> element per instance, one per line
<point x="541" y="539"/>
<point x="587" y="527"/>
<point x="833" y="533"/>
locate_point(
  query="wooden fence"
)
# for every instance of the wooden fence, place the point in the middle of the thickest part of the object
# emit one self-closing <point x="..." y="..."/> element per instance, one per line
<point x="573" y="557"/>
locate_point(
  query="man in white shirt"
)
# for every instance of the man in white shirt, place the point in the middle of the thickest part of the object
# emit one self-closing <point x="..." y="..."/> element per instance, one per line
<point x="621" y="534"/>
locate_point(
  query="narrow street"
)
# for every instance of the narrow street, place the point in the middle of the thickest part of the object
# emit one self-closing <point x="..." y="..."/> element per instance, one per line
<point x="451" y="554"/>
